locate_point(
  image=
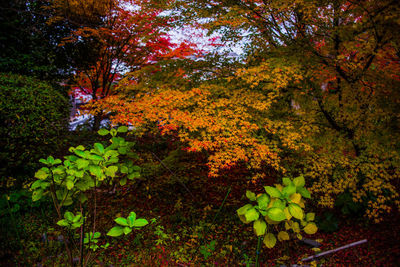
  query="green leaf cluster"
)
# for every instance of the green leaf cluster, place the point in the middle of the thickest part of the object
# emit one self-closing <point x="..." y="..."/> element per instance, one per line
<point x="279" y="208"/>
<point x="207" y="249"/>
<point x="71" y="221"/>
<point x="91" y="239"/>
<point x="72" y="180"/>
<point x="81" y="171"/>
<point x="125" y="225"/>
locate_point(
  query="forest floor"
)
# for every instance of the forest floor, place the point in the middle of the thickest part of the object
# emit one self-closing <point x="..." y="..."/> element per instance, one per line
<point x="191" y="225"/>
<point x="192" y="229"/>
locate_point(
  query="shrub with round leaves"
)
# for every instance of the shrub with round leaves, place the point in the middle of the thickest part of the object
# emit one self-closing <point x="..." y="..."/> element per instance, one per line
<point x="282" y="206"/>
<point x="74" y="177"/>
<point x="33" y="115"/>
<point x="72" y="181"/>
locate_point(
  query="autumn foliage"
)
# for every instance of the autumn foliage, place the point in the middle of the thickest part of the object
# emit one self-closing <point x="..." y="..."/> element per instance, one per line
<point x="317" y="98"/>
<point x="180" y="110"/>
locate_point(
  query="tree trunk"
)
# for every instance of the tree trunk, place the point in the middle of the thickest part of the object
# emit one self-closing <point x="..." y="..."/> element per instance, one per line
<point x="96" y="122"/>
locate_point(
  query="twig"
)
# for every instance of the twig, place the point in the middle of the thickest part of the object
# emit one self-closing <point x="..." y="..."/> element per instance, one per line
<point x="335" y="250"/>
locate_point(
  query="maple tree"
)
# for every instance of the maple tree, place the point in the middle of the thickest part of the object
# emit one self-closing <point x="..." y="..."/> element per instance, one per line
<point x="219" y="116"/>
<point x="130" y="34"/>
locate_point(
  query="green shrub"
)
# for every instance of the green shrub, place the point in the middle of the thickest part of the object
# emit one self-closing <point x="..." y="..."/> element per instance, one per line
<point x="279" y="210"/>
<point x="32" y="118"/>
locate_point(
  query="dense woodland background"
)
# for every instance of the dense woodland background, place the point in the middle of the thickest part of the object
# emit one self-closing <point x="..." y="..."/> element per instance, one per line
<point x="309" y="102"/>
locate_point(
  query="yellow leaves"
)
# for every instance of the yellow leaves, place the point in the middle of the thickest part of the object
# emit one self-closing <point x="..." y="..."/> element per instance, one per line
<point x="316" y="250"/>
<point x="295" y="198"/>
<point x="310" y="228"/>
<point x="364" y="177"/>
<point x="269" y="240"/>
<point x="271" y="76"/>
<point x="287" y="213"/>
<point x="282" y="236"/>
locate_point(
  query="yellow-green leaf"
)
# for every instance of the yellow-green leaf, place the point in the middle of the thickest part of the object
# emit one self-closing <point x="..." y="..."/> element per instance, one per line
<point x="99" y="148"/>
<point x="103" y="132"/>
<point x="282" y="235"/>
<point x="82" y="163"/>
<point x="299" y="181"/>
<point x="41" y="174"/>
<point x="304" y="192"/>
<point x="122" y="129"/>
<point x="269" y="221"/>
<point x="296" y="211"/>
<point x="276" y="214"/>
<point x="286" y="181"/>
<point x="95" y="170"/>
<point x="69" y="184"/>
<point x="251" y="215"/>
<point x="263" y="201"/>
<point x="295" y="198"/>
<point x="296" y="227"/>
<point x="269" y="240"/>
<point x="279" y="204"/>
<point x="250" y="195"/>
<point x="259" y="227"/>
<point x="289" y="190"/>
<point x="287" y="226"/>
<point x="299" y="236"/>
<point x="244" y="209"/>
<point x="310" y="216"/>
<point x="310" y="229"/>
<point x="272" y="191"/>
<point x="287" y="213"/>
<point x="111" y="170"/>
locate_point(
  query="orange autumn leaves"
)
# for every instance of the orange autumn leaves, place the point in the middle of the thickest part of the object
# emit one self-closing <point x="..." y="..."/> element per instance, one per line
<point x="223" y="121"/>
<point x="221" y="126"/>
<point x="234" y="122"/>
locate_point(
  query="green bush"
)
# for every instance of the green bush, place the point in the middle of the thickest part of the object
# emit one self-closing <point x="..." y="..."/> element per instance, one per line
<point x="33" y="116"/>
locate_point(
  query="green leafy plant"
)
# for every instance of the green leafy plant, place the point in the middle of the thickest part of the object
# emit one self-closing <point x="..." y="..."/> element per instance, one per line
<point x="125" y="225"/>
<point x="71" y="221"/>
<point x="162" y="237"/>
<point x="278" y="213"/>
<point x="207" y="249"/>
<point x="247" y="260"/>
<point x="91" y="240"/>
<point x="73" y="181"/>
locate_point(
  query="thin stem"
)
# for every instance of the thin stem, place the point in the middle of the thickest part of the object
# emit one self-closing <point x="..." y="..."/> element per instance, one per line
<point x="82" y="235"/>
<point x="95" y="209"/>
<point x="65" y="197"/>
<point x="53" y="196"/>
<point x="258" y="251"/>
<point x="87" y="258"/>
